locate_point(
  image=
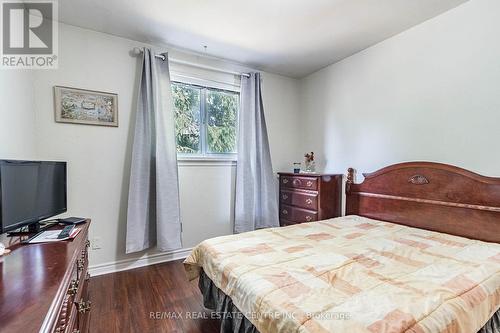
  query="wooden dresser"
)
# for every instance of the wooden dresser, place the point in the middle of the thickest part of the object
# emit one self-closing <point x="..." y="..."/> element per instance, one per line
<point x="309" y="197"/>
<point x="44" y="287"/>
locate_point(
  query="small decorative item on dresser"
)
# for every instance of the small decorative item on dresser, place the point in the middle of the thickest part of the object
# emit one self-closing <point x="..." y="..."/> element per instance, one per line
<point x="309" y="161"/>
<point x="296" y="167"/>
<point x="309" y="197"/>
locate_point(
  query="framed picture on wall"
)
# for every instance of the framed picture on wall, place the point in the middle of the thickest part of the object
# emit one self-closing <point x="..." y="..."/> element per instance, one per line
<point x="89" y="107"/>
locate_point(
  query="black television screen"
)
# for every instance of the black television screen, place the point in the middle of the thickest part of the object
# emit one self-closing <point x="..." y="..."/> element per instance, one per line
<point x="30" y="191"/>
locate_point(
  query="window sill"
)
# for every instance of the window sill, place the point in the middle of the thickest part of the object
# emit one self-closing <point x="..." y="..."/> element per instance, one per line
<point x="206" y="161"/>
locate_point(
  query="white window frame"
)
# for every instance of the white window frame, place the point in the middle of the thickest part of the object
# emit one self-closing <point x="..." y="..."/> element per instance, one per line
<point x="204" y="84"/>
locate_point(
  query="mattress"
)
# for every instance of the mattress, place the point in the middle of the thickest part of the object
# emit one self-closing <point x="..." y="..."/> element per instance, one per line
<point x="354" y="274"/>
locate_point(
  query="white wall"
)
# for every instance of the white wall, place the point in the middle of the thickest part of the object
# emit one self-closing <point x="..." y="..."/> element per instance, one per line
<point x="17" y="116"/>
<point x="429" y="93"/>
<point x="99" y="157"/>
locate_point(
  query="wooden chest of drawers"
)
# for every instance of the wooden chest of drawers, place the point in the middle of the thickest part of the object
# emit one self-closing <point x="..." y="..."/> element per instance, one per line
<point x="44" y="287"/>
<point x="309" y="197"/>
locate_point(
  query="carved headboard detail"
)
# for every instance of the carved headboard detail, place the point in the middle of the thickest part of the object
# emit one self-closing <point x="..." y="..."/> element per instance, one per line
<point x="431" y="196"/>
<point x="418" y="180"/>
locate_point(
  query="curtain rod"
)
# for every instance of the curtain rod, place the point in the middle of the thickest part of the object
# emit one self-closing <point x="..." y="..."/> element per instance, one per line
<point x="192" y="64"/>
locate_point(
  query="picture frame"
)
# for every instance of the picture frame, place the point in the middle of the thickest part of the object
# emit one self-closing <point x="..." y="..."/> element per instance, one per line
<point x="88" y="107"/>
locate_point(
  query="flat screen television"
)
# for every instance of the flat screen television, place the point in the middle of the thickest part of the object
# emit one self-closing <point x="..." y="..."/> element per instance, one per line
<point x="30" y="191"/>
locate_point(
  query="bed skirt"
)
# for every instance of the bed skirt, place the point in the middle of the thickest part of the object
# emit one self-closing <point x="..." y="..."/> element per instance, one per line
<point x="233" y="321"/>
<point x="493" y="325"/>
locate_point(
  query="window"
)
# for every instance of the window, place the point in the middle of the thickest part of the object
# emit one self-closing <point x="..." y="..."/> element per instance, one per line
<point x="206" y="120"/>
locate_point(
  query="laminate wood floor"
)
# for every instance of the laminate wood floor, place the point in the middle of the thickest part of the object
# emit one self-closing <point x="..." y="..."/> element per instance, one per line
<point x="156" y="298"/>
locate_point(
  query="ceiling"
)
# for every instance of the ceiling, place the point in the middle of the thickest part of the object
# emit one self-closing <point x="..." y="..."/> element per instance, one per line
<point x="289" y="37"/>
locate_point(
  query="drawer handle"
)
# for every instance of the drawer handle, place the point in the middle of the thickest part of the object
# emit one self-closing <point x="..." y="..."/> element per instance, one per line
<point x="296" y="182"/>
<point x="309" y="201"/>
<point x="284" y="196"/>
<point x="285" y="181"/>
<point x="84" y="306"/>
<point x="73" y="288"/>
<point x="87" y="243"/>
<point x="308" y="218"/>
<point x="80" y="263"/>
<point x="309" y="183"/>
<point x="285" y="212"/>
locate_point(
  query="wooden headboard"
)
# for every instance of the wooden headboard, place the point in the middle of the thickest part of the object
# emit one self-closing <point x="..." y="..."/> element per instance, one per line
<point x="429" y="196"/>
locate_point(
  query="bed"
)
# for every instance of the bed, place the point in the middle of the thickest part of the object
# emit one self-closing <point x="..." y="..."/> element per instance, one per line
<point x="419" y="251"/>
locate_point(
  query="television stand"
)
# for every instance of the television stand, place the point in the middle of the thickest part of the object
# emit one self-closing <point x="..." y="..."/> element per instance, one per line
<point x="34" y="228"/>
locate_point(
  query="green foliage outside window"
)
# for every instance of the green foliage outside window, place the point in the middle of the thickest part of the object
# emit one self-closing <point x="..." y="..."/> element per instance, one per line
<point x="206" y="119"/>
<point x="222" y="113"/>
<point x="187" y="117"/>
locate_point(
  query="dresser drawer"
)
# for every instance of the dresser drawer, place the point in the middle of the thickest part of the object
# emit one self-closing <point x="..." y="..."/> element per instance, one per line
<point x="308" y="183"/>
<point x="298" y="215"/>
<point x="84" y="307"/>
<point x="307" y="197"/>
<point x="300" y="199"/>
<point x="285" y="223"/>
<point x="67" y="315"/>
<point x="67" y="320"/>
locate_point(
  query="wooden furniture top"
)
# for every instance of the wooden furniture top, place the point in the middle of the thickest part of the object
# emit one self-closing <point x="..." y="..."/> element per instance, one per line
<point x="306" y="174"/>
<point x="33" y="280"/>
<point x="431" y="196"/>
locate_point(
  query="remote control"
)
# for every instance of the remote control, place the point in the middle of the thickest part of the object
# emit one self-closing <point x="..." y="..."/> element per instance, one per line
<point x="66" y="231"/>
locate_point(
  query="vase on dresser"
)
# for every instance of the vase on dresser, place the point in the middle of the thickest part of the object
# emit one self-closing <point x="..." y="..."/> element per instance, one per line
<point x="310" y="166"/>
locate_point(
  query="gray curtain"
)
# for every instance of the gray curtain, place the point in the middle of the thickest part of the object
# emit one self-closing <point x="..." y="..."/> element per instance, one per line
<point x="256" y="203"/>
<point x="153" y="216"/>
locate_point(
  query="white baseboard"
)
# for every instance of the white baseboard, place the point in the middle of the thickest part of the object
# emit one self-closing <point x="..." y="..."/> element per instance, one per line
<point x="126" y="264"/>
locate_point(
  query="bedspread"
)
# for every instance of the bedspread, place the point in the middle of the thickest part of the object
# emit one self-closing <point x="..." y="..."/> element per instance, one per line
<point x="353" y="274"/>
